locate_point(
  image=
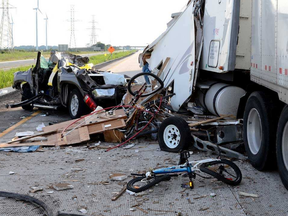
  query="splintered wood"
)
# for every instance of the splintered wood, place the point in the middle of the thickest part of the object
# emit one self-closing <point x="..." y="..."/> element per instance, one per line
<point x="76" y="133"/>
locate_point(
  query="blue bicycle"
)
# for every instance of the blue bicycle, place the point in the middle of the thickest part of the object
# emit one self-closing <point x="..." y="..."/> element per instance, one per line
<point x="221" y="169"/>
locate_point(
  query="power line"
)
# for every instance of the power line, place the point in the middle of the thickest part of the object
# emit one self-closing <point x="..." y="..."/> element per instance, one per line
<point x="6" y="27"/>
<point x="93" y="39"/>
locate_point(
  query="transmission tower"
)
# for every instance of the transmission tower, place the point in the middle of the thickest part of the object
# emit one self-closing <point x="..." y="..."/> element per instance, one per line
<point x="93" y="39"/>
<point x="72" y="28"/>
<point x="6" y="31"/>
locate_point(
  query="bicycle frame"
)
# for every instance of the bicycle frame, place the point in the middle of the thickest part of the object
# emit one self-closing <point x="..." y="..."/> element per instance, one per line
<point x="192" y="167"/>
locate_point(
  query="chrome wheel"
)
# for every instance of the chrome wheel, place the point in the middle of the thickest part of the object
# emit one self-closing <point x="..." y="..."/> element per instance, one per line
<point x="285" y="146"/>
<point x="172" y="136"/>
<point x="74" y="105"/>
<point x="254" y="131"/>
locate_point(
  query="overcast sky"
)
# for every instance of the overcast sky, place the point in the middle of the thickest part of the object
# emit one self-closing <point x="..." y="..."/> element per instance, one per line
<point x="121" y="22"/>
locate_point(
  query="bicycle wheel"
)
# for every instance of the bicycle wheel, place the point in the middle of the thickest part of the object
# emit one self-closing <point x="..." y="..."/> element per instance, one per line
<point x="148" y="90"/>
<point x="140" y="184"/>
<point x="223" y="170"/>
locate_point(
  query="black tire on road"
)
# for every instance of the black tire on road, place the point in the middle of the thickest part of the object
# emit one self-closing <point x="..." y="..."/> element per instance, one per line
<point x="26" y="94"/>
<point x="174" y="135"/>
<point x="260" y="120"/>
<point x="150" y="183"/>
<point x="75" y="97"/>
<point x="224" y="170"/>
<point x="282" y="146"/>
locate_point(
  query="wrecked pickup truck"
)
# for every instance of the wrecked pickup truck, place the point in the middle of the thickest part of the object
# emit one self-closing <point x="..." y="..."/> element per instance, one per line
<point x="68" y="80"/>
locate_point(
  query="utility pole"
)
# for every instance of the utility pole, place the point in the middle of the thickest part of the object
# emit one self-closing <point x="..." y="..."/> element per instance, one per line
<point x="46" y="20"/>
<point x="72" y="28"/>
<point x="6" y="34"/>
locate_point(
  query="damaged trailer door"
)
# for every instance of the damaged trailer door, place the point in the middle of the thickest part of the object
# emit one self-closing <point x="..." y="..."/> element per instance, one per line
<point x="178" y="44"/>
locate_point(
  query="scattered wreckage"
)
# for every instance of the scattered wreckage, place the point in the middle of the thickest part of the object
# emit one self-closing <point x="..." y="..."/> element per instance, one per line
<point x="68" y="80"/>
<point x="177" y="82"/>
<point x="155" y="102"/>
<point x="143" y="111"/>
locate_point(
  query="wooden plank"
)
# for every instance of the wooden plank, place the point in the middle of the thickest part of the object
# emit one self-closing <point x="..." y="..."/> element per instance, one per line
<point x="32" y="136"/>
<point x="118" y="114"/>
<point x="5" y="145"/>
<point x="96" y="128"/>
<point x="113" y="136"/>
<point x="115" y="197"/>
<point x="77" y="136"/>
<point x="109" y="125"/>
<point x="84" y="134"/>
<point x="209" y="121"/>
<point x="51" y="141"/>
<point x="163" y="66"/>
<point x="59" y="126"/>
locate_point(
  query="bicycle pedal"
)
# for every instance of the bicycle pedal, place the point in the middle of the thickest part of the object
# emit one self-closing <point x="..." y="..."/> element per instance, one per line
<point x="191" y="184"/>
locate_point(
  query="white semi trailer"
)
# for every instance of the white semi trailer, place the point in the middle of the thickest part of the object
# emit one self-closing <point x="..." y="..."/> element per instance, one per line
<point x="231" y="57"/>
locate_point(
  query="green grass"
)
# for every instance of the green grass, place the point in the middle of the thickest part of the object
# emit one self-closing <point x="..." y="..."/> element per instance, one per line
<point x="104" y="58"/>
<point x="15" y="55"/>
<point x="19" y="55"/>
<point x="6" y="77"/>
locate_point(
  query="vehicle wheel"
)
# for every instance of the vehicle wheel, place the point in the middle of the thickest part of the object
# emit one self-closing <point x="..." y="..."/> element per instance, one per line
<point x="224" y="170"/>
<point x="282" y="147"/>
<point x="26" y="94"/>
<point x="260" y="122"/>
<point x="150" y="76"/>
<point x="140" y="184"/>
<point x="174" y="135"/>
<point x="76" y="104"/>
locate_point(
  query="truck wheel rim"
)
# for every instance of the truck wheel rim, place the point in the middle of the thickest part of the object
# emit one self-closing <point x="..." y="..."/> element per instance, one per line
<point x="254" y="131"/>
<point x="172" y="136"/>
<point x="74" y="105"/>
<point x="285" y="146"/>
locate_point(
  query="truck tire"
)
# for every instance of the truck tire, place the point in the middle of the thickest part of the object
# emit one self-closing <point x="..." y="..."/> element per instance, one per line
<point x="26" y="94"/>
<point x="282" y="146"/>
<point x="174" y="135"/>
<point x="76" y="104"/>
<point x="260" y="123"/>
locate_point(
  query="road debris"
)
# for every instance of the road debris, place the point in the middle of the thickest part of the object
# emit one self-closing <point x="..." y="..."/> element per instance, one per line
<point x="200" y="197"/>
<point x="79" y="160"/>
<point x="129" y="146"/>
<point x="118" y="177"/>
<point x="35" y="189"/>
<point x="212" y="195"/>
<point x="120" y="193"/>
<point x="76" y="169"/>
<point x="248" y="194"/>
<point x="83" y="210"/>
<point x="144" y="211"/>
<point x="24" y="149"/>
<point x="203" y="209"/>
<point x="63" y="186"/>
<point x="11" y="173"/>
<point x="40" y="127"/>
